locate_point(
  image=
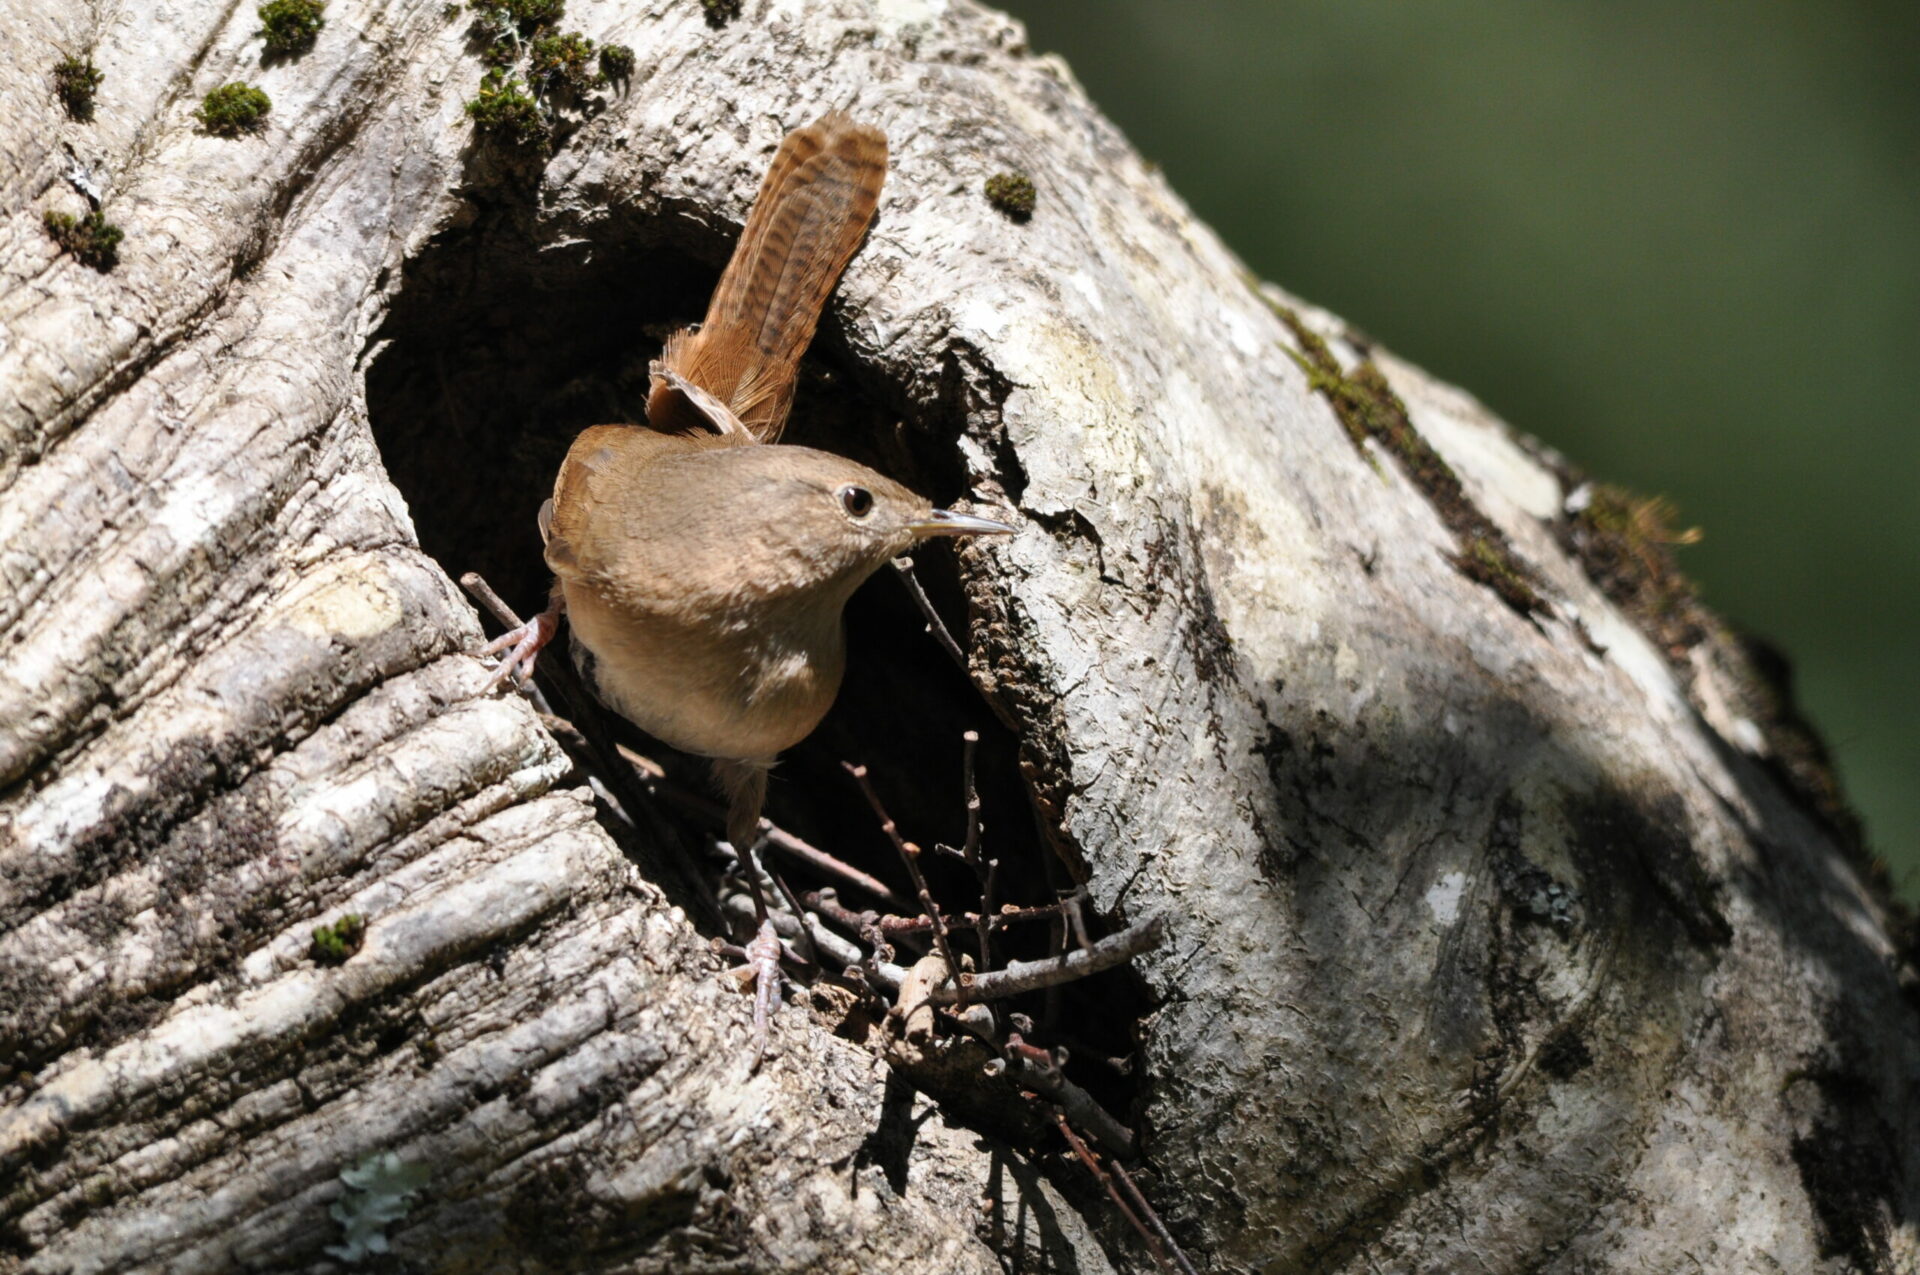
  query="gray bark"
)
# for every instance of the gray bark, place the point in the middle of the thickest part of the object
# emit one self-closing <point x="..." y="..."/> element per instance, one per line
<point x="1494" y="941"/>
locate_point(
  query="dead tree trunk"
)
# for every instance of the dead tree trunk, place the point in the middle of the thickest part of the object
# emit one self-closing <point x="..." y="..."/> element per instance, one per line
<point x="1511" y="921"/>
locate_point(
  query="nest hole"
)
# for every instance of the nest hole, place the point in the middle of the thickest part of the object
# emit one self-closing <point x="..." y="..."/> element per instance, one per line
<point x="507" y="337"/>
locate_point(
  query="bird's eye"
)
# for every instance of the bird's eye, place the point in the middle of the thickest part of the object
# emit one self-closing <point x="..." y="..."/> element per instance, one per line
<point x="857" y="501"/>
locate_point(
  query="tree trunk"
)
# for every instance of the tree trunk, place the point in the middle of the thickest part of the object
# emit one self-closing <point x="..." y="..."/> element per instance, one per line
<point x="1512" y="922"/>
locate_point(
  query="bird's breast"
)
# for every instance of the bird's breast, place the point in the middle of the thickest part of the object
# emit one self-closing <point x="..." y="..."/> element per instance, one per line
<point x="735" y="690"/>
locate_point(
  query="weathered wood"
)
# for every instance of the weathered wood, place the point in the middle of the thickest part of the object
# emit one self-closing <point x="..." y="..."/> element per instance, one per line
<point x="1494" y="939"/>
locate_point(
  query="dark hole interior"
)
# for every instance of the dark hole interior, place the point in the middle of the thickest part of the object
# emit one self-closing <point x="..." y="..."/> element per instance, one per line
<point x="509" y="336"/>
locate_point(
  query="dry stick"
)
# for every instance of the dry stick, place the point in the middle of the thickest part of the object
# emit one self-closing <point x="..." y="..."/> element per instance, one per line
<point x="828" y="905"/>
<point x="969" y="852"/>
<point x="1026" y="976"/>
<point x="1034" y="1068"/>
<point x="971" y="849"/>
<point x="1100" y="1175"/>
<point x="812" y="952"/>
<point x="1153" y="1218"/>
<point x="910" y="853"/>
<point x="935" y="625"/>
<point x="843" y="952"/>
<point x="776" y="838"/>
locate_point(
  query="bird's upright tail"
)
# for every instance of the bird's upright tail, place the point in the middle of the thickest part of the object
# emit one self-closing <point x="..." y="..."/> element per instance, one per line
<point x="812" y="211"/>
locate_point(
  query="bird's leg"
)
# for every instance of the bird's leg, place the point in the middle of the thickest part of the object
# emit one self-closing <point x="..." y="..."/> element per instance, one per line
<point x="524" y="644"/>
<point x="745" y="786"/>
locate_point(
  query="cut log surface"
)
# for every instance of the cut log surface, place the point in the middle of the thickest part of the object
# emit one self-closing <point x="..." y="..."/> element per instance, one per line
<point x="1499" y="935"/>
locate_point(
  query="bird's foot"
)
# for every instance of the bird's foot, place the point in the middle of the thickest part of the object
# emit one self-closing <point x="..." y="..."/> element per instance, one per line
<point x="762" y="969"/>
<point x="522" y="646"/>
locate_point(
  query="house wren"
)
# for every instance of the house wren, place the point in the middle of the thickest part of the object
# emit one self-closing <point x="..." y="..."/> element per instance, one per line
<point x="703" y="567"/>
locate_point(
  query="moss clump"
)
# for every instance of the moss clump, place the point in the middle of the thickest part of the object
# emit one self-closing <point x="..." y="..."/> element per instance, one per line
<point x="525" y="14"/>
<point x="1367" y="408"/>
<point x="720" y="12"/>
<point x="291" y="26"/>
<point x="335" y="944"/>
<point x="499" y="26"/>
<point x="504" y="110"/>
<point x="1491" y="562"/>
<point x="1625" y="543"/>
<point x="1012" y="194"/>
<point x="75" y="80"/>
<point x="91" y="240"/>
<point x="233" y="109"/>
<point x="563" y="59"/>
<point x="616" y="63"/>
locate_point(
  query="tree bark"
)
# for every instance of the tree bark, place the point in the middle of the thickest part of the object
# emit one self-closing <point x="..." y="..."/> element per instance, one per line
<point x="1511" y="921"/>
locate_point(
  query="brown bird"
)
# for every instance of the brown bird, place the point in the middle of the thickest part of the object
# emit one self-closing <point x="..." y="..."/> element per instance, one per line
<point x="705" y="571"/>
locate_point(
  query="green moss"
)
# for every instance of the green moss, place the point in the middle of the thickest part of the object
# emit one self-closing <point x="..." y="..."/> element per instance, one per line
<point x="1492" y="563"/>
<point x="1368" y="408"/>
<point x="233" y="109"/>
<point x="291" y="26"/>
<point x="1625" y="543"/>
<point x="720" y="12"/>
<point x="335" y="944"/>
<point x="91" y="240"/>
<point x="75" y="80"/>
<point x="526" y="14"/>
<point x="616" y="63"/>
<point x="1012" y="194"/>
<point x="506" y="112"/>
<point x="502" y="53"/>
<point x="562" y="59"/>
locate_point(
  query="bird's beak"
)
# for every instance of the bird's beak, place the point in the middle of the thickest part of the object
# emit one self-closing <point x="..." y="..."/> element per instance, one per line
<point x="945" y="522"/>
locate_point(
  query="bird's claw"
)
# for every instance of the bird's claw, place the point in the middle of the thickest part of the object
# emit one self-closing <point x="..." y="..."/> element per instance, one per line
<point x="522" y="646"/>
<point x="762" y="969"/>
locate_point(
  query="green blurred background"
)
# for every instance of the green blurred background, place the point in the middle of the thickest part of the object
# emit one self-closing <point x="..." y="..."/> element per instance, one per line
<point x="1679" y="242"/>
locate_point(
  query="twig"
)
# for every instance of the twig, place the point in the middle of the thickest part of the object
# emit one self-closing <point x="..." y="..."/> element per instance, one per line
<point x="935" y="625"/>
<point x="970" y="850"/>
<point x="843" y="952"/>
<point x="828" y="905"/>
<point x="776" y="837"/>
<point x="970" y="740"/>
<point x="1153" y="1218"/>
<point x="1070" y="907"/>
<point x="812" y="953"/>
<point x="1034" y="1068"/>
<point x="1020" y="977"/>
<point x="910" y="854"/>
<point x="1100" y="1174"/>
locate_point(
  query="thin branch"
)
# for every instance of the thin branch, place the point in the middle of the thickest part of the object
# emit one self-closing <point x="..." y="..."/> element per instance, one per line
<point x="1100" y="1174"/>
<point x="1020" y="977"/>
<point x="910" y="855"/>
<point x="828" y="905"/>
<point x="970" y="741"/>
<point x="776" y="837"/>
<point x="935" y="625"/>
<point x="1153" y="1218"/>
<point x="841" y="951"/>
<point x="812" y="952"/>
<point x="1034" y="1068"/>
